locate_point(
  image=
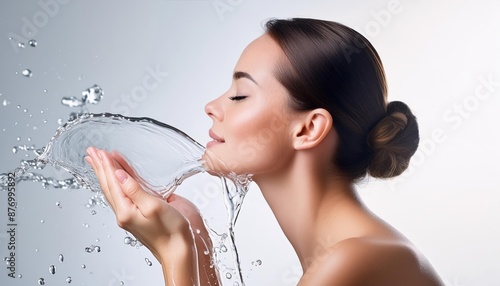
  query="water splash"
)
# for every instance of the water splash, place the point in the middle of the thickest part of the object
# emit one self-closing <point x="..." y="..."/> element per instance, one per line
<point x="67" y="150"/>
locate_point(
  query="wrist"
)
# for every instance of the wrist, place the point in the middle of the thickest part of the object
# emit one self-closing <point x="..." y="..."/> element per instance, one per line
<point x="176" y="247"/>
<point x="179" y="260"/>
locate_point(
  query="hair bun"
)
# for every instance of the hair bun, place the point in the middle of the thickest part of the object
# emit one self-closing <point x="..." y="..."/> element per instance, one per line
<point x="393" y="141"/>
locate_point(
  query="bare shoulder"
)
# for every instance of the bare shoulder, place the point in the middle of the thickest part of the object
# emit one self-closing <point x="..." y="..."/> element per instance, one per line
<point x="370" y="261"/>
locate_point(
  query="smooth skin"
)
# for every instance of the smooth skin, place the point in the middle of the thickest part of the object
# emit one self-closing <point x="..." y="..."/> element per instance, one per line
<point x="337" y="239"/>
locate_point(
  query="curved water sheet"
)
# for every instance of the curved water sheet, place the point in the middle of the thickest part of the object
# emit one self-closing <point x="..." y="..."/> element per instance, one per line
<point x="162" y="155"/>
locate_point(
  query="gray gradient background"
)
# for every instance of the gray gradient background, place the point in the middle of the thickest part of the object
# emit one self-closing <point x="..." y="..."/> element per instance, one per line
<point x="435" y="54"/>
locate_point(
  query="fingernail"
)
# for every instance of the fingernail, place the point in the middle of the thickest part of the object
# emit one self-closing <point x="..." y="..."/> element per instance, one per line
<point x="121" y="176"/>
<point x="100" y="153"/>
<point x="88" y="159"/>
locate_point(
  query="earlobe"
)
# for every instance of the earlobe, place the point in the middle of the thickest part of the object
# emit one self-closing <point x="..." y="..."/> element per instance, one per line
<point x="312" y="129"/>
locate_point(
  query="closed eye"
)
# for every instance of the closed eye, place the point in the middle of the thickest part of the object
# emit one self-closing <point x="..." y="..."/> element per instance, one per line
<point x="237" y="97"/>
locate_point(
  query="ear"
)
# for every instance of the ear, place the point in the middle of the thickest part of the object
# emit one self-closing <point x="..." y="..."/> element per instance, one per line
<point x="312" y="129"/>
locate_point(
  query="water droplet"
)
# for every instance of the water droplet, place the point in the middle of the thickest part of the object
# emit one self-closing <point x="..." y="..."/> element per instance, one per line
<point x="32" y="43"/>
<point x="228" y="275"/>
<point x="236" y="283"/>
<point x="61" y="258"/>
<point x="92" y="95"/>
<point x="127" y="240"/>
<point x="86" y="225"/>
<point x="27" y="73"/>
<point x="18" y="138"/>
<point x="41" y="281"/>
<point x="93" y="212"/>
<point x="71" y="101"/>
<point x="29" y="139"/>
<point x="257" y="262"/>
<point x="21" y="45"/>
<point x="98" y="249"/>
<point x="19" y="276"/>
<point x="5" y="102"/>
<point x="92" y="202"/>
<point x="84" y="266"/>
<point x="58" y="204"/>
<point x="36" y="250"/>
<point x="25" y="110"/>
<point x="148" y="262"/>
<point x="122" y="283"/>
<point x="14" y="149"/>
<point x="45" y="90"/>
<point x="198" y="231"/>
<point x="223" y="248"/>
<point x="60" y="121"/>
<point x="42" y="221"/>
<point x="52" y="269"/>
<point x="68" y="280"/>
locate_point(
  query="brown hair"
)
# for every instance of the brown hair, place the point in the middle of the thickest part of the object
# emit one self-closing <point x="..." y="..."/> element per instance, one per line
<point x="331" y="66"/>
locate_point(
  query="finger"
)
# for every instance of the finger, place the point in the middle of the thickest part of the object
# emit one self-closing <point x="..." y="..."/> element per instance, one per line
<point x="101" y="176"/>
<point x="89" y="161"/>
<point x="122" y="202"/>
<point x="133" y="190"/>
<point x="123" y="163"/>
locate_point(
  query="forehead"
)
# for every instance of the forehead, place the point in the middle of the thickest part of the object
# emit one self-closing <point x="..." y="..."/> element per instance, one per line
<point x="260" y="57"/>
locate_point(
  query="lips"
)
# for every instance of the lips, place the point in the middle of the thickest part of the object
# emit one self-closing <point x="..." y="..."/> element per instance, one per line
<point x="216" y="139"/>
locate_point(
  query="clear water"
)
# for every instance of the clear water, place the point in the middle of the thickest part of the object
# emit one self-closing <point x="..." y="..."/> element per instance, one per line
<point x="162" y="156"/>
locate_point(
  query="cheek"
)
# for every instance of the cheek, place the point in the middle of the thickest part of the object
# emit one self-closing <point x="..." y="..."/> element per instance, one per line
<point x="258" y="143"/>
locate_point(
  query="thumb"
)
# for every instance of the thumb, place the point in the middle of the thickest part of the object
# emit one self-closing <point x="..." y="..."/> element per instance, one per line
<point x="131" y="188"/>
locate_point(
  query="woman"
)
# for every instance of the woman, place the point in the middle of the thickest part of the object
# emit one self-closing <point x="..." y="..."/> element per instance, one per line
<point x="307" y="116"/>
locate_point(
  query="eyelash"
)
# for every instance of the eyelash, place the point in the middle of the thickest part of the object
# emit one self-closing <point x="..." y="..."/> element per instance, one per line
<point x="237" y="97"/>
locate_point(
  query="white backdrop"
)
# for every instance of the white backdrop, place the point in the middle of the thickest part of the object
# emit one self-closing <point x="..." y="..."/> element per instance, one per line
<point x="165" y="59"/>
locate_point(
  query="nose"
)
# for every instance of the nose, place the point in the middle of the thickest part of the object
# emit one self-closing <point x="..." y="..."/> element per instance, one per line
<point x="213" y="110"/>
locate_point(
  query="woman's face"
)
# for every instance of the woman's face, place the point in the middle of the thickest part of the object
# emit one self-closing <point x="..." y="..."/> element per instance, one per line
<point x="252" y="121"/>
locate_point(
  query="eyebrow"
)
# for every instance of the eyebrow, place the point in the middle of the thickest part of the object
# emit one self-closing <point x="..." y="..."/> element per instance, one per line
<point x="240" y="74"/>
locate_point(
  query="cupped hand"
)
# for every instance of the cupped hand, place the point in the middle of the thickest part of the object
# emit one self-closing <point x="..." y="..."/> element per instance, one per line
<point x="156" y="223"/>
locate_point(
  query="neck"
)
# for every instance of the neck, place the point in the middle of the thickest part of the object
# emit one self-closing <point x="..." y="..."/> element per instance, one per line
<point x="312" y="206"/>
